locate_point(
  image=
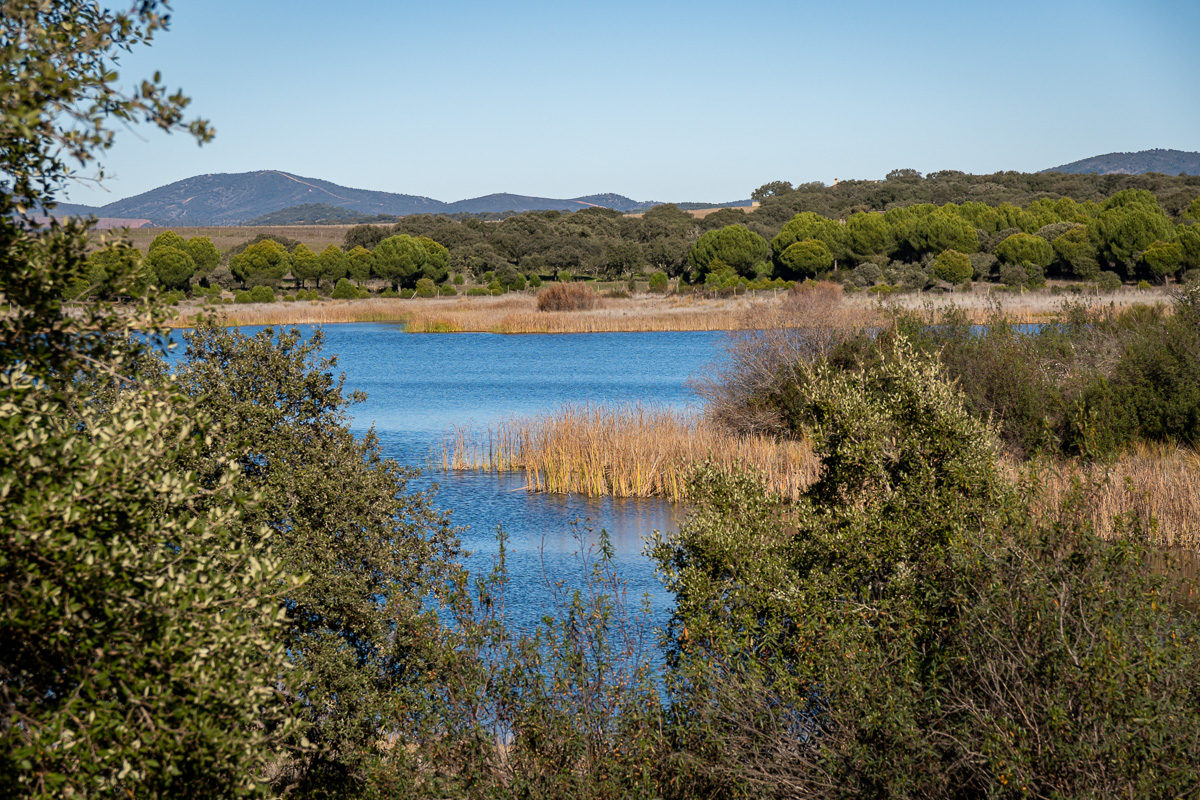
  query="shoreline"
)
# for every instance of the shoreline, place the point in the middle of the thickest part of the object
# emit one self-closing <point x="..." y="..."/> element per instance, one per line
<point x="517" y="313"/>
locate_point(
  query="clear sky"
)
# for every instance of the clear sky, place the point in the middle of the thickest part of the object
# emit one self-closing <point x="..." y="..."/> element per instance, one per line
<point x="670" y="101"/>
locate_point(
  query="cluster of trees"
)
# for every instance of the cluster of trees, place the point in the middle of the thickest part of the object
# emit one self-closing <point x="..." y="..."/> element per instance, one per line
<point x="895" y="239"/>
<point x="1128" y="234"/>
<point x="1132" y="234"/>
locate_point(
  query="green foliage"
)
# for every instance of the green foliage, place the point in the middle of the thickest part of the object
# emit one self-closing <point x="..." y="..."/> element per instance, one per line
<point x="952" y="266"/>
<point x="204" y="254"/>
<point x="168" y="239"/>
<point x="426" y="288"/>
<point x="806" y="258"/>
<point x="263" y="263"/>
<point x="1126" y="229"/>
<point x="1077" y="252"/>
<point x="1163" y="259"/>
<point x="357" y="631"/>
<point x="333" y="264"/>
<point x="172" y="267"/>
<point x="399" y="260"/>
<point x="1024" y="248"/>
<point x="344" y="290"/>
<point x="535" y="281"/>
<point x="458" y="279"/>
<point x="437" y="260"/>
<point x="734" y="245"/>
<point x="360" y="263"/>
<point x="305" y="264"/>
<point x="808" y="226"/>
<point x="259" y="294"/>
<point x="911" y="627"/>
<point x="137" y="648"/>
<point x="1108" y="281"/>
<point x="658" y="282"/>
<point x="140" y="641"/>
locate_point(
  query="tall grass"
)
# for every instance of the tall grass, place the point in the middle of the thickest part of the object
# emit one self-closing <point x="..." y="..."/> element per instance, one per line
<point x="1156" y="484"/>
<point x="628" y="451"/>
<point x="648" y="451"/>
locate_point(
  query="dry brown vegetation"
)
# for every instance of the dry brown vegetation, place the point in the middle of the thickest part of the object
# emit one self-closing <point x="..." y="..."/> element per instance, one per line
<point x="648" y="451"/>
<point x="567" y="297"/>
<point x="629" y="451"/>
<point x="819" y="307"/>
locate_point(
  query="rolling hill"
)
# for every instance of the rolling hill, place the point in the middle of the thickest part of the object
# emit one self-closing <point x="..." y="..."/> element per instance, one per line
<point x="1168" y="162"/>
<point x="252" y="197"/>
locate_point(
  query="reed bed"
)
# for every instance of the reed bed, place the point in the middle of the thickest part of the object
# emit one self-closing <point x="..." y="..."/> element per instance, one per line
<point x="517" y="313"/>
<point x="648" y="451"/>
<point x="627" y="451"/>
<point x="1159" y="483"/>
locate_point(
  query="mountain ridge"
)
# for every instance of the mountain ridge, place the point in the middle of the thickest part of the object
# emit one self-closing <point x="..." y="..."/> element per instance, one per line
<point x="239" y="197"/>
<point x="1168" y="162"/>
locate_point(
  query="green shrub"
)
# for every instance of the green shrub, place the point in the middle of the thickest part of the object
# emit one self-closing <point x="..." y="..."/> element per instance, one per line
<point x="262" y="294"/>
<point x="1143" y="285"/>
<point x="1108" y="282"/>
<point x="658" y="282"/>
<point x="535" y="281"/>
<point x="477" y="291"/>
<point x="913" y="626"/>
<point x="495" y="288"/>
<point x="426" y="288"/>
<point x="407" y="294"/>
<point x="344" y="290"/>
<point x="563" y="276"/>
<point x="447" y="290"/>
<point x="389" y="292"/>
<point x="458" y="279"/>
<point x="518" y="284"/>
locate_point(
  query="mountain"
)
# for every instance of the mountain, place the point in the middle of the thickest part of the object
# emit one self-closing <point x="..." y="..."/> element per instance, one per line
<point x="517" y="202"/>
<point x="272" y="197"/>
<point x="230" y="199"/>
<point x="1168" y="162"/>
<point x="318" y="214"/>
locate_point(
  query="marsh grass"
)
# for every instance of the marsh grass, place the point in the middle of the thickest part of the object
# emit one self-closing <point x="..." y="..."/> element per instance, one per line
<point x="1156" y="484"/>
<point x="649" y="451"/>
<point x="627" y="451"/>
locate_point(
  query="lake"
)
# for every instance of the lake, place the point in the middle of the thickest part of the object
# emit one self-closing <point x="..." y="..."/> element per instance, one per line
<point x="420" y="387"/>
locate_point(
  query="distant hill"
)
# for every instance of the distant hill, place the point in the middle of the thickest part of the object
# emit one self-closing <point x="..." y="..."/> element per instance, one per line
<point x="516" y="202"/>
<point x="271" y="197"/>
<point x="233" y="199"/>
<point x="318" y="214"/>
<point x="1168" y="162"/>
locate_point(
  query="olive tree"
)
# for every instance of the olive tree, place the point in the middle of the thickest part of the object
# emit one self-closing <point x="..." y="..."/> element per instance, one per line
<point x="138" y="646"/>
<point x="374" y="550"/>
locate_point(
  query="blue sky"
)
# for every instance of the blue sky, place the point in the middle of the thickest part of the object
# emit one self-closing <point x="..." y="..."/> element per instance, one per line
<point x="670" y="101"/>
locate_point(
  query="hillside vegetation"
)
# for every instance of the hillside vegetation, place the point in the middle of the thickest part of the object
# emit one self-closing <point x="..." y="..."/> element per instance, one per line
<point x="1167" y="162"/>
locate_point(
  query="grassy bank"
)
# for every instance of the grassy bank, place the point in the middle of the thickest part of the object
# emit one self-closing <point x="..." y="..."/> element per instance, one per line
<point x="517" y="312"/>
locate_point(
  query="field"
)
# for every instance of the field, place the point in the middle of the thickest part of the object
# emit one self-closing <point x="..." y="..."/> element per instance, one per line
<point x="225" y="237"/>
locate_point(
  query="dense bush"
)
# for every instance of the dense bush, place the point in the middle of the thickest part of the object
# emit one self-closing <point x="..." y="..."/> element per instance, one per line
<point x="567" y="297"/>
<point x="912" y="627"/>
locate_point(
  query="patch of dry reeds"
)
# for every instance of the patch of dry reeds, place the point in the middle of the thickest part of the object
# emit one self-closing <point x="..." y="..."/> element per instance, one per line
<point x="628" y="451"/>
<point x="567" y="297"/>
<point x="1148" y="482"/>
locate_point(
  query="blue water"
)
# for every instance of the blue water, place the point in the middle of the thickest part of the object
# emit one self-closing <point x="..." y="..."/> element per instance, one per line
<point x="420" y="387"/>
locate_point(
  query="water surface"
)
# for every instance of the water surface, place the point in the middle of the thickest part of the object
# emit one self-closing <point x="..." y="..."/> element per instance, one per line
<point x="420" y="387"/>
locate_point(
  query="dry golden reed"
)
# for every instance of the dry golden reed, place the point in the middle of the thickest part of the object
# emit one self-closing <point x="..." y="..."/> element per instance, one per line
<point x="1158" y="485"/>
<point x="628" y="451"/>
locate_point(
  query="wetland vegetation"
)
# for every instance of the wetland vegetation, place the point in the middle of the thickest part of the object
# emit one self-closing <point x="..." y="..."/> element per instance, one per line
<point x="212" y="587"/>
